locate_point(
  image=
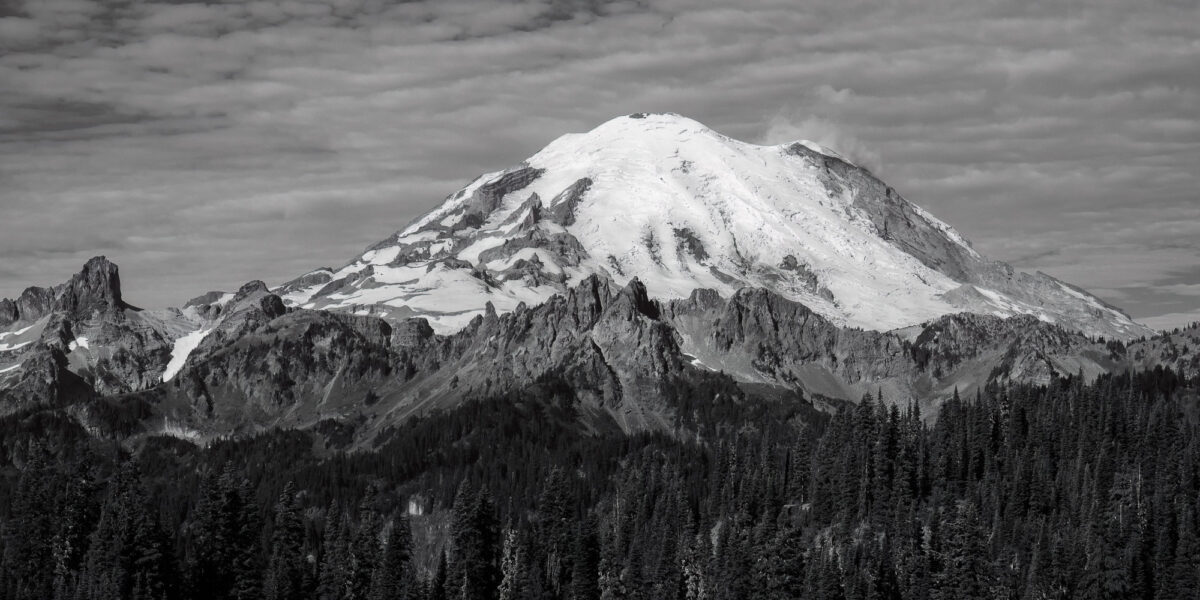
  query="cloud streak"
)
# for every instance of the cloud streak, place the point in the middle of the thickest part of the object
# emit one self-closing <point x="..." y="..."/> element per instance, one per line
<point x="203" y="144"/>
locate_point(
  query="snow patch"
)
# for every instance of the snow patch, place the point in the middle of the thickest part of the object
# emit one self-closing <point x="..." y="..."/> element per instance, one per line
<point x="179" y="353"/>
<point x="17" y="332"/>
<point x="415" y="509"/>
<point x="181" y="432"/>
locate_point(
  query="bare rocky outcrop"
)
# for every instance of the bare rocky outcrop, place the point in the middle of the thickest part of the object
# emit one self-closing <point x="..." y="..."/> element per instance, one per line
<point x="562" y="207"/>
<point x="96" y="288"/>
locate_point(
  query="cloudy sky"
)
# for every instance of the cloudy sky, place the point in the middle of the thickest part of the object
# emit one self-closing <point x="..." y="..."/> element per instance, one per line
<point x="200" y="145"/>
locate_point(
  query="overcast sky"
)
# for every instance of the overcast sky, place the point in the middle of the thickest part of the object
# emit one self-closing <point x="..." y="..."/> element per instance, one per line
<point x="200" y="145"/>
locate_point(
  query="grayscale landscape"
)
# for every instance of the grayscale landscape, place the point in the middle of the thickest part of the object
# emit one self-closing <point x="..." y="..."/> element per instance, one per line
<point x="586" y="300"/>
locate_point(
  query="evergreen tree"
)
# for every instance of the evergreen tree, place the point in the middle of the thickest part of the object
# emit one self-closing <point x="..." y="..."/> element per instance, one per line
<point x="476" y="568"/>
<point x="780" y="565"/>
<point x="287" y="565"/>
<point x="514" y="570"/>
<point x="226" y="559"/>
<point x="128" y="555"/>
<point x="393" y="577"/>
<point x="437" y="586"/>
<point x="966" y="574"/>
<point x="585" y="563"/>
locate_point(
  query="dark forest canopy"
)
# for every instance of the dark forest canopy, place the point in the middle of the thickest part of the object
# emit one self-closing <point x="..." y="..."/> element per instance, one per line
<point x="1066" y="491"/>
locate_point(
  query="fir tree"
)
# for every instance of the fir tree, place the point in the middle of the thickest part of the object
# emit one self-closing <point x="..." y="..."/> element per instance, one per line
<point x="286" y="565"/>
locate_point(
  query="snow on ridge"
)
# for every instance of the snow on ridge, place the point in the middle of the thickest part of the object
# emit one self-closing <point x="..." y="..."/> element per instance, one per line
<point x="184" y="345"/>
<point x="17" y="332"/>
<point x="946" y="229"/>
<point x="451" y="203"/>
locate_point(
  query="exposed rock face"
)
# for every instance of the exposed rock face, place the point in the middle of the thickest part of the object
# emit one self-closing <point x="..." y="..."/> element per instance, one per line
<point x="757" y="336"/>
<point x="35" y="303"/>
<point x="206" y="299"/>
<point x="610" y="346"/>
<point x="8" y="312"/>
<point x="97" y="288"/>
<point x="564" y="205"/>
<point x="484" y="200"/>
<point x="44" y="380"/>
<point x="303" y="365"/>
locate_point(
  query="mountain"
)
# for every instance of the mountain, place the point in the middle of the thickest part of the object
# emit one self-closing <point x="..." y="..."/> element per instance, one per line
<point x="696" y="387"/>
<point x="668" y="270"/>
<point x="80" y="334"/>
<point x="682" y="207"/>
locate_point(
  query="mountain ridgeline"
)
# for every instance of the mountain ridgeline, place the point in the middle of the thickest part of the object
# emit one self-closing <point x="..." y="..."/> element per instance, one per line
<point x="632" y="360"/>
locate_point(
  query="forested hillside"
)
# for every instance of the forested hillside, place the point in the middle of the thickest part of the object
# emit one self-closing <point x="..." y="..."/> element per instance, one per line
<point x="1063" y="491"/>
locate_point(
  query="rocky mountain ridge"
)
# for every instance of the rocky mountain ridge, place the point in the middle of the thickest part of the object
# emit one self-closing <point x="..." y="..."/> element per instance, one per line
<point x="630" y="360"/>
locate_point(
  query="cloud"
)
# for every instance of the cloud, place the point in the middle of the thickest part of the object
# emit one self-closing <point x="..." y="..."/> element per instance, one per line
<point x="782" y="129"/>
<point x="203" y="144"/>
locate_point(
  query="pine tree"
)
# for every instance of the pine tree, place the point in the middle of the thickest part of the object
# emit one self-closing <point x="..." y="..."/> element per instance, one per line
<point x="247" y="556"/>
<point x="393" y="577"/>
<point x="128" y="556"/>
<point x="333" y="580"/>
<point x="585" y="563"/>
<point x="555" y="513"/>
<point x="1185" y="571"/>
<point x="475" y="572"/>
<point x="437" y="586"/>
<point x="27" y="548"/>
<point x="225" y="529"/>
<point x="78" y="517"/>
<point x="966" y="574"/>
<point x="365" y="548"/>
<point x="514" y="582"/>
<point x="780" y="566"/>
<point x="286" y="566"/>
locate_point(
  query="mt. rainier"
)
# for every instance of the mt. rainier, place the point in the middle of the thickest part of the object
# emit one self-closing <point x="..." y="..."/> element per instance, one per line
<point x="645" y="265"/>
<point x="664" y="199"/>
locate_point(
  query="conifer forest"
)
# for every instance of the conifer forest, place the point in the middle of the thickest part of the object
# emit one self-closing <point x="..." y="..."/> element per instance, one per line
<point x="1072" y="490"/>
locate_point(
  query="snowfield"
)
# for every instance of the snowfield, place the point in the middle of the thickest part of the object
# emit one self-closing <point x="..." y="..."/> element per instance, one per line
<point x="184" y="345"/>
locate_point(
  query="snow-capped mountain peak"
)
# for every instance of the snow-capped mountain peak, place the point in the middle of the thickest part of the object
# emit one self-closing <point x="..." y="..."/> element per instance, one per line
<point x="665" y="199"/>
